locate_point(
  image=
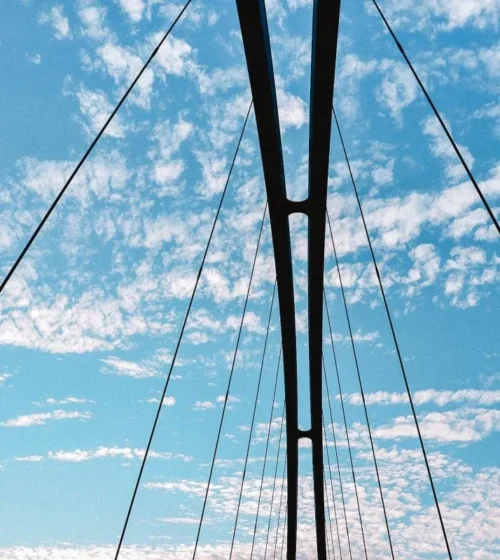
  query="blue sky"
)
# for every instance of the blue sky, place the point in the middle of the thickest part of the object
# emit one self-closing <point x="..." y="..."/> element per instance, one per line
<point x="89" y="322"/>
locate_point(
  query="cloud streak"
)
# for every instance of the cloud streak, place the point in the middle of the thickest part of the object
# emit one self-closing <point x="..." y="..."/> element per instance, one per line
<point x="42" y="418"/>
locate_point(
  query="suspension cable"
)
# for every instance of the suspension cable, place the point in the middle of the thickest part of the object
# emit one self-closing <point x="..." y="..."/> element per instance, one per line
<point x="89" y="150"/>
<point x="365" y="408"/>
<point x="279" y="510"/>
<point x="440" y="119"/>
<point x="265" y="455"/>
<point x="327" y="538"/>
<point x="329" y="513"/>
<point x="179" y="340"/>
<point x="394" y="337"/>
<point x="331" y="482"/>
<point x="274" y="482"/>
<point x="284" y="531"/>
<point x="345" y="423"/>
<point x="224" y="407"/>
<point x="336" y="457"/>
<point x="253" y="421"/>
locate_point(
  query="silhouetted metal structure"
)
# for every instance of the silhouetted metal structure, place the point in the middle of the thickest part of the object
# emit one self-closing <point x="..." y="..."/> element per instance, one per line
<point x="255" y="33"/>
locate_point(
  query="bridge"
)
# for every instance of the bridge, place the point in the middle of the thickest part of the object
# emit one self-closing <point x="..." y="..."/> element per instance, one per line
<point x="332" y="537"/>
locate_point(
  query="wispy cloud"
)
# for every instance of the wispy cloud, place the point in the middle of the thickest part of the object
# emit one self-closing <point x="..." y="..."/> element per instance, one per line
<point x="203" y="405"/>
<point x="68" y="400"/>
<point x="118" y="366"/>
<point x="79" y="455"/>
<point x="460" y="426"/>
<point x="133" y="8"/>
<point x="440" y="398"/>
<point x="42" y="418"/>
<point x="60" y="23"/>
<point x="30" y="459"/>
<point x="167" y="401"/>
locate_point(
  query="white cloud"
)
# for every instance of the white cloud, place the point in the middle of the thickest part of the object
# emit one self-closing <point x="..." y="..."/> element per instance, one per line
<point x="470" y="511"/>
<point x="123" y="66"/>
<point x="214" y="172"/>
<point x="167" y="401"/>
<point x="398" y="88"/>
<point x="30" y="459"/>
<point x="252" y="323"/>
<point x="166" y="174"/>
<point x="117" y="366"/>
<point x="400" y="219"/>
<point x="296" y="4"/>
<point x="216" y="284"/>
<point x="34" y="59"/>
<point x="440" y="398"/>
<point x="68" y="400"/>
<point x="358" y="336"/>
<point x="55" y="17"/>
<point x="102" y="452"/>
<point x="468" y="270"/>
<point x="133" y="8"/>
<point x="361" y="337"/>
<point x="185" y="485"/>
<point x="462" y="425"/>
<point x="425" y="269"/>
<point x="203" y="320"/>
<point x="292" y="110"/>
<point x="469" y="223"/>
<point x="93" y="19"/>
<point x="441" y="148"/>
<point x="42" y="418"/>
<point x="384" y="175"/>
<point x="180" y="520"/>
<point x="197" y="338"/>
<point x="96" y="109"/>
<point x="352" y="70"/>
<point x="220" y="80"/>
<point x="490" y="111"/>
<point x="167" y="168"/>
<point x="11" y="231"/>
<point x="443" y="15"/>
<point x="203" y="405"/>
<point x="230" y="399"/>
<point x="4" y="377"/>
<point x="174" y="56"/>
<point x="164" y="230"/>
<point x="104" y="176"/>
<point x="90" y="323"/>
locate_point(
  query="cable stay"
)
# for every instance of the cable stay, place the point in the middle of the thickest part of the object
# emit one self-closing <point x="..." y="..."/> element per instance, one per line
<point x="265" y="456"/>
<point x="345" y="423"/>
<point x="233" y="364"/>
<point x="329" y="515"/>
<point x="327" y="538"/>
<point x="179" y="340"/>
<point x="394" y="337"/>
<point x="280" y="506"/>
<point x="253" y="422"/>
<point x="439" y="118"/>
<point x="285" y="526"/>
<point x="274" y="484"/>
<point x="360" y="381"/>
<point x="331" y="485"/>
<point x="337" y="459"/>
<point x="89" y="149"/>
